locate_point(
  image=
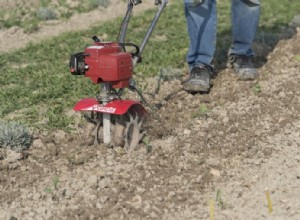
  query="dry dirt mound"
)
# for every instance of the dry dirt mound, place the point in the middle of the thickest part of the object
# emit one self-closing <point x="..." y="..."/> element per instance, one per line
<point x="240" y="140"/>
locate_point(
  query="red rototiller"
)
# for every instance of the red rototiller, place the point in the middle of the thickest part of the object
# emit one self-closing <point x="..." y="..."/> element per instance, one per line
<point x="117" y="121"/>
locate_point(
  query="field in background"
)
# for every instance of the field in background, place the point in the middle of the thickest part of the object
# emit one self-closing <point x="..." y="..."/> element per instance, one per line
<point x="29" y="14"/>
<point x="37" y="88"/>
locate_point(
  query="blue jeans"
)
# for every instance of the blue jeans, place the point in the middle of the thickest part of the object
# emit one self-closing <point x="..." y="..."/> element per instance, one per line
<point x="201" y="17"/>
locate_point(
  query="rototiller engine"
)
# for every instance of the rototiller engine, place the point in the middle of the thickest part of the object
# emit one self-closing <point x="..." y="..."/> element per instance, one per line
<point x="116" y="121"/>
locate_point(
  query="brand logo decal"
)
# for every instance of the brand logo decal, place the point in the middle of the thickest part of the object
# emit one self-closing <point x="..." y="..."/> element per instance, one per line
<point x="99" y="108"/>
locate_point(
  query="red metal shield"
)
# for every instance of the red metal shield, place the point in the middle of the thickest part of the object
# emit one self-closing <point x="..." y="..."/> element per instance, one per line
<point x="116" y="107"/>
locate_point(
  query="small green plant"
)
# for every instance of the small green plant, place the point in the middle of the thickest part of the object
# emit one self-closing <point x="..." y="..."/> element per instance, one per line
<point x="257" y="88"/>
<point x="169" y="73"/>
<point x="146" y="141"/>
<point x="99" y="3"/>
<point x="48" y="190"/>
<point x="55" y="182"/>
<point x="202" y="111"/>
<point x="7" y="23"/>
<point x="45" y="13"/>
<point x="297" y="57"/>
<point x="219" y="200"/>
<point x="15" y="136"/>
<point x="31" y="27"/>
<point x="57" y="119"/>
<point x="63" y="3"/>
<point x="44" y="3"/>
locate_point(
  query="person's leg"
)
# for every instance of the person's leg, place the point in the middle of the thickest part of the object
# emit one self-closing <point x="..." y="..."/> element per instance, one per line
<point x="201" y="20"/>
<point x="245" y="18"/>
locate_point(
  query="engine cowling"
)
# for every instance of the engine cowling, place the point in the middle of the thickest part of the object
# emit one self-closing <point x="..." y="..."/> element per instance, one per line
<point x="104" y="62"/>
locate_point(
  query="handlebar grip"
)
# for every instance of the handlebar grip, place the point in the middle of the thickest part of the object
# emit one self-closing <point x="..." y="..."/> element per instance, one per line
<point x="136" y="2"/>
<point x="157" y="2"/>
<point x="137" y="49"/>
<point x="136" y="55"/>
<point x="96" y="39"/>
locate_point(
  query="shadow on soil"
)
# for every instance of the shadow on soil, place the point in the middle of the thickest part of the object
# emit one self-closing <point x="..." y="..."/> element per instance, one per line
<point x="265" y="41"/>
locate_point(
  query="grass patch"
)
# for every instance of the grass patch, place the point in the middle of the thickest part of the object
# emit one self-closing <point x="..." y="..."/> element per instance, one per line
<point x="99" y="3"/>
<point x="45" y="13"/>
<point x="23" y="13"/>
<point x="37" y="79"/>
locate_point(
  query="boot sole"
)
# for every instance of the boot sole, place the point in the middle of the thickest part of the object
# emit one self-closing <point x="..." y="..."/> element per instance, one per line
<point x="196" y="88"/>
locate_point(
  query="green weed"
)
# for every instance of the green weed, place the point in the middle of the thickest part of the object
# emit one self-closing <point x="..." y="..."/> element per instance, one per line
<point x="14" y="136"/>
<point x="55" y="182"/>
<point x="63" y="3"/>
<point x="48" y="190"/>
<point x="45" y="13"/>
<point x="99" y="3"/>
<point x="56" y="119"/>
<point x="219" y="199"/>
<point x="257" y="88"/>
<point x="220" y="202"/>
<point x="44" y="3"/>
<point x="146" y="141"/>
<point x="202" y="111"/>
<point x="31" y="27"/>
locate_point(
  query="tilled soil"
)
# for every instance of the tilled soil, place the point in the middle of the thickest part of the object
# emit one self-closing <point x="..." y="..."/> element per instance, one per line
<point x="218" y="154"/>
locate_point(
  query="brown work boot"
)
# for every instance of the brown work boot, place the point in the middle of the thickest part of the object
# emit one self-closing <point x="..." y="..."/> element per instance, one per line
<point x="243" y="67"/>
<point x="199" y="80"/>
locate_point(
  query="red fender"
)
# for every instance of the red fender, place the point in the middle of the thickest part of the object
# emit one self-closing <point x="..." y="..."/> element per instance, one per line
<point x="116" y="107"/>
